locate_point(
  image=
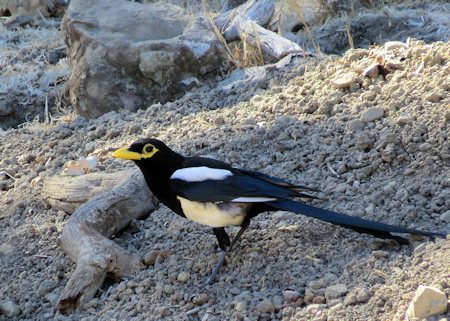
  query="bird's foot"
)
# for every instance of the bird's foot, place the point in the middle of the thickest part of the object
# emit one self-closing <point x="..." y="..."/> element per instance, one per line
<point x="219" y="263"/>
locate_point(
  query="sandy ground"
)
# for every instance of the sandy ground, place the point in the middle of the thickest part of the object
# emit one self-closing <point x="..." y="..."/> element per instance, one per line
<point x="297" y="123"/>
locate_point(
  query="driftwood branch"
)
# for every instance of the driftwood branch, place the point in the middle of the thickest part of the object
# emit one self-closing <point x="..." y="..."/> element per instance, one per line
<point x="85" y="237"/>
<point x="248" y="19"/>
<point x="67" y="193"/>
<point x="258" y="11"/>
<point x="271" y="43"/>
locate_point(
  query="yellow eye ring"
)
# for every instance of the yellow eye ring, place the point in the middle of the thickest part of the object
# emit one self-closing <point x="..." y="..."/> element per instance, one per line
<point x="149" y="150"/>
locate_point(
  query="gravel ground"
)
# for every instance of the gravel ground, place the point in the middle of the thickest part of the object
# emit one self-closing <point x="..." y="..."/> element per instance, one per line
<point x="377" y="148"/>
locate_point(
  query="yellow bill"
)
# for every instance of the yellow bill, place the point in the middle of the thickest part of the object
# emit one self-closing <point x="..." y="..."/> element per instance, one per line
<point x="124" y="153"/>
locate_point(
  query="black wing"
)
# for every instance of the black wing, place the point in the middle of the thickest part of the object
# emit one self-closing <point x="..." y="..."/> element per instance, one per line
<point x="278" y="181"/>
<point x="239" y="184"/>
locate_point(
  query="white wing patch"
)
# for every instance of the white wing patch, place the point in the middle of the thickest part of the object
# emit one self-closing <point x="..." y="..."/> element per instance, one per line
<point x="200" y="174"/>
<point x="253" y="199"/>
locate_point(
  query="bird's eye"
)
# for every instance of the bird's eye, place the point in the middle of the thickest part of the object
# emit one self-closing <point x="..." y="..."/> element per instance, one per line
<point x="148" y="151"/>
<point x="148" y="148"/>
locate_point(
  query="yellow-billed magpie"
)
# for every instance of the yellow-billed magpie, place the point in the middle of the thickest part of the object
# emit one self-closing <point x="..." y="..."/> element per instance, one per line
<point x="216" y="194"/>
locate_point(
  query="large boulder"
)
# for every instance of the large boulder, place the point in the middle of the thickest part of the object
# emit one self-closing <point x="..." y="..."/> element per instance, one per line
<point x="129" y="55"/>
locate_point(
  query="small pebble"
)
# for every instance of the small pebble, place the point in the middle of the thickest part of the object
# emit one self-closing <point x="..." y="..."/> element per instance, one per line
<point x="345" y="80"/>
<point x="265" y="306"/>
<point x="372" y="114"/>
<point x="404" y="120"/>
<point x="183" y="277"/>
<point x="240" y="306"/>
<point x="335" y="291"/>
<point x="425" y="147"/>
<point x="312" y="309"/>
<point x="380" y="254"/>
<point x="151" y="257"/>
<point x="355" y="125"/>
<point x="392" y="45"/>
<point x="363" y="141"/>
<point x="10" y="309"/>
<point x="235" y="291"/>
<point x="362" y="295"/>
<point x="52" y="298"/>
<point x="372" y="71"/>
<point x="445" y="217"/>
<point x="291" y="295"/>
<point x="420" y="248"/>
<point x="200" y="299"/>
<point x="434" y="97"/>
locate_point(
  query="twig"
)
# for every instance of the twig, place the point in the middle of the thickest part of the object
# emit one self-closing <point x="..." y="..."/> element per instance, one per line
<point x="43" y="256"/>
<point x="7" y="174"/>
<point x="195" y="310"/>
<point x="298" y="10"/>
<point x="230" y="56"/>
<point x="349" y="31"/>
<point x="332" y="170"/>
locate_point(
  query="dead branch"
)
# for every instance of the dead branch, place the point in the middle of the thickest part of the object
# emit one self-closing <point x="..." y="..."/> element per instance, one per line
<point x="85" y="239"/>
<point x="257" y="11"/>
<point x="248" y="19"/>
<point x="67" y="193"/>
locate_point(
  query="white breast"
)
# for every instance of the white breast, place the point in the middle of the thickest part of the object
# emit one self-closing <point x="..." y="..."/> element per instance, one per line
<point x="214" y="214"/>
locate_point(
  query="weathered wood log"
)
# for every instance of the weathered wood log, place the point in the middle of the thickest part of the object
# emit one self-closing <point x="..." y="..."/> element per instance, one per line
<point x="248" y="19"/>
<point x="271" y="43"/>
<point x="257" y="11"/>
<point x="231" y="4"/>
<point x="67" y="193"/>
<point x="85" y="239"/>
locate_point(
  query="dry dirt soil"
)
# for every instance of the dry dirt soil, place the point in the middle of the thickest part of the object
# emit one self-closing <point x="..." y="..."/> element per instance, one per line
<point x="378" y="148"/>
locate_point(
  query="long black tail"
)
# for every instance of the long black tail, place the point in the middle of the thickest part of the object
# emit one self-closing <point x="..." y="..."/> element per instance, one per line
<point x="357" y="224"/>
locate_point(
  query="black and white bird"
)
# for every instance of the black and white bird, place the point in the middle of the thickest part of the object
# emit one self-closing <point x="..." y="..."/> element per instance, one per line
<point x="214" y="193"/>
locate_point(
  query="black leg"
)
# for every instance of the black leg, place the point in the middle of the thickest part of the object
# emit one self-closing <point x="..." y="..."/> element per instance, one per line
<point x="222" y="238"/>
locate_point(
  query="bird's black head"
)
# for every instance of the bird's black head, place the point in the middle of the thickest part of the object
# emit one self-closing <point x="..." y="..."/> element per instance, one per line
<point x="146" y="151"/>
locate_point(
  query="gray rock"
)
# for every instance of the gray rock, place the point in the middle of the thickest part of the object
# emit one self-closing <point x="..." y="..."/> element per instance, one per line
<point x="322" y="282"/>
<point x="200" y="299"/>
<point x="372" y="114"/>
<point x="265" y="306"/>
<point x="132" y="55"/>
<point x="357" y="295"/>
<point x="425" y="147"/>
<point x="362" y="295"/>
<point x="9" y="308"/>
<point x="392" y="45"/>
<point x="52" y="298"/>
<point x="7" y="249"/>
<point x="183" y="276"/>
<point x="363" y="141"/>
<point x="312" y="309"/>
<point x="240" y="306"/>
<point x="404" y="120"/>
<point x="433" y="97"/>
<point x="445" y="217"/>
<point x="335" y="291"/>
<point x="291" y="295"/>
<point x="253" y="76"/>
<point x="345" y="80"/>
<point x="380" y="254"/>
<point x="350" y="298"/>
<point x="355" y="125"/>
<point x="427" y="301"/>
